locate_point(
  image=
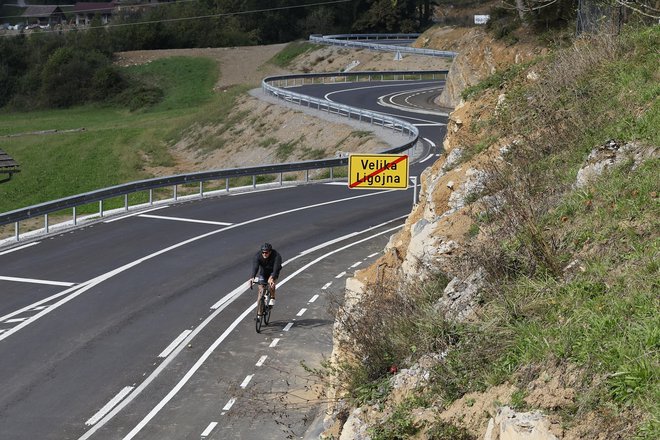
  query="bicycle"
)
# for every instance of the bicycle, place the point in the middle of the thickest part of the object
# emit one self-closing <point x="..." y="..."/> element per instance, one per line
<point x="263" y="298"/>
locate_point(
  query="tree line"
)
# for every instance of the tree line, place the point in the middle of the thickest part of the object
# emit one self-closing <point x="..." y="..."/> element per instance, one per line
<point x="64" y="67"/>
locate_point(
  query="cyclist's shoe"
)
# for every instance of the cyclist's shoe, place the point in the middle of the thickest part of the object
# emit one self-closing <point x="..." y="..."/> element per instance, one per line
<point x="271" y="303"/>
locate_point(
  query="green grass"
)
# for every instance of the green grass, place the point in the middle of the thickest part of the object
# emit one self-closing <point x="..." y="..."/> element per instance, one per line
<point x="603" y="317"/>
<point x="114" y="145"/>
<point x="286" y="56"/>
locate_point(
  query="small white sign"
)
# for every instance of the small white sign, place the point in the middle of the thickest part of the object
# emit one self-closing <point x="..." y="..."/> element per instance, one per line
<point x="481" y="19"/>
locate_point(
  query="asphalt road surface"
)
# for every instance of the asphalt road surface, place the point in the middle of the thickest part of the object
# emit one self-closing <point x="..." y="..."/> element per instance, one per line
<point x="142" y="326"/>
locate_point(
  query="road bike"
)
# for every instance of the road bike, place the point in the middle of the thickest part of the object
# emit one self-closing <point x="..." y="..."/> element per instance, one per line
<point x="263" y="298"/>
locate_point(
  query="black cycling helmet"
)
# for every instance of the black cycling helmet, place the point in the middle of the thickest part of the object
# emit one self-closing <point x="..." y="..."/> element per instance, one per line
<point x="266" y="247"/>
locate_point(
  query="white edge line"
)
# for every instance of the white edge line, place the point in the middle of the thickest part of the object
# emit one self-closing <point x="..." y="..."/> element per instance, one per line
<point x="426" y="158"/>
<point x="108" y="406"/>
<point x="19" y="248"/>
<point x="174" y="344"/>
<point x="429" y="141"/>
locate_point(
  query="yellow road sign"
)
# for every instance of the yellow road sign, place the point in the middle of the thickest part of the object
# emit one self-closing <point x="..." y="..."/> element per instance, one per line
<point x="378" y="171"/>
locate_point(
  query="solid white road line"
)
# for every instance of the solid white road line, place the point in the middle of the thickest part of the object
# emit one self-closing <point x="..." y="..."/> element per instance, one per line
<point x="108" y="406"/>
<point x="261" y="361"/>
<point x="427" y="158"/>
<point x="134" y="214"/>
<point x="181" y="219"/>
<point x="19" y="248"/>
<point x="430" y="142"/>
<point x="35" y="281"/>
<point x="174" y="344"/>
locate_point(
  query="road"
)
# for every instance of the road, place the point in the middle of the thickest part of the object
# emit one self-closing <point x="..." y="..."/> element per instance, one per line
<point x="141" y="326"/>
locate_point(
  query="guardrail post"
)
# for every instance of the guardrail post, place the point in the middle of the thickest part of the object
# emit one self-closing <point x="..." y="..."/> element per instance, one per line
<point x="75" y="217"/>
<point x="201" y="190"/>
<point x="332" y="173"/>
<point x="306" y="175"/>
<point x="281" y="178"/>
<point x="151" y="197"/>
<point x="254" y="181"/>
<point x="46" y="223"/>
<point x="125" y="202"/>
<point x="414" y="180"/>
<point x="16" y="233"/>
<point x="101" y="208"/>
<point x="227" y="184"/>
<point x="176" y="193"/>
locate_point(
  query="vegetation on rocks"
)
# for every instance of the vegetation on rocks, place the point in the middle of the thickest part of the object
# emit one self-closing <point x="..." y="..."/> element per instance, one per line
<point x="571" y="270"/>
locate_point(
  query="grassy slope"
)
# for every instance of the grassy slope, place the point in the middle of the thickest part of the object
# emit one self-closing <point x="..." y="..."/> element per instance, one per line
<point x="603" y="317"/>
<point x="114" y="143"/>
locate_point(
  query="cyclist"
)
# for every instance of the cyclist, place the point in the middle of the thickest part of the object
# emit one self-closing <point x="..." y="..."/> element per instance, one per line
<point x="267" y="263"/>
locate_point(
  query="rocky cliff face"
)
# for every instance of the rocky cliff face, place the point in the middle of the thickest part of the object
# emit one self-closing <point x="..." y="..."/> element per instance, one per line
<point x="433" y="240"/>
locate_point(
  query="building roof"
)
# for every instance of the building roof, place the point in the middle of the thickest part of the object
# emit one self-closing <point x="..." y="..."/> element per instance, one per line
<point x="42" y="11"/>
<point x="101" y="7"/>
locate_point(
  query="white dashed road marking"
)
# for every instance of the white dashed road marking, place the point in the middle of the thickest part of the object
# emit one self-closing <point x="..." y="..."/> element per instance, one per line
<point x="261" y="361"/>
<point x="209" y="429"/>
<point x="246" y="381"/>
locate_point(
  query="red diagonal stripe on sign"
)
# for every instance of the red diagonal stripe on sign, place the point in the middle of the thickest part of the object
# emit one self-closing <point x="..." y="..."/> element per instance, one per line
<point x="389" y="165"/>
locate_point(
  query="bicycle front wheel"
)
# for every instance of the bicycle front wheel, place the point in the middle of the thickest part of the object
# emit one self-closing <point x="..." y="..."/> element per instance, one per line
<point x="266" y="314"/>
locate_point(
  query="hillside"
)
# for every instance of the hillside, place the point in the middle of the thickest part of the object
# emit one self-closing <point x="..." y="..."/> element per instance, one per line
<point x="521" y="297"/>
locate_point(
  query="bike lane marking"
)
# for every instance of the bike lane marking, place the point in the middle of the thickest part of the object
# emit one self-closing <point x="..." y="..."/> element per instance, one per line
<point x="211" y="348"/>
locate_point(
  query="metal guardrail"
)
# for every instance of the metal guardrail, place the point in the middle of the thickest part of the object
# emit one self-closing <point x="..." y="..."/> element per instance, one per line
<point x="276" y="86"/>
<point x="351" y="40"/>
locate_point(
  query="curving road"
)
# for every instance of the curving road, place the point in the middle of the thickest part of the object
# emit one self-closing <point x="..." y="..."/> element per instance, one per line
<point x="141" y="326"/>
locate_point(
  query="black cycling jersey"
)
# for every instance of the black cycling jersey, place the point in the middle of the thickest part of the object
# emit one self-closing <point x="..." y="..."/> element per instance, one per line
<point x="267" y="267"/>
